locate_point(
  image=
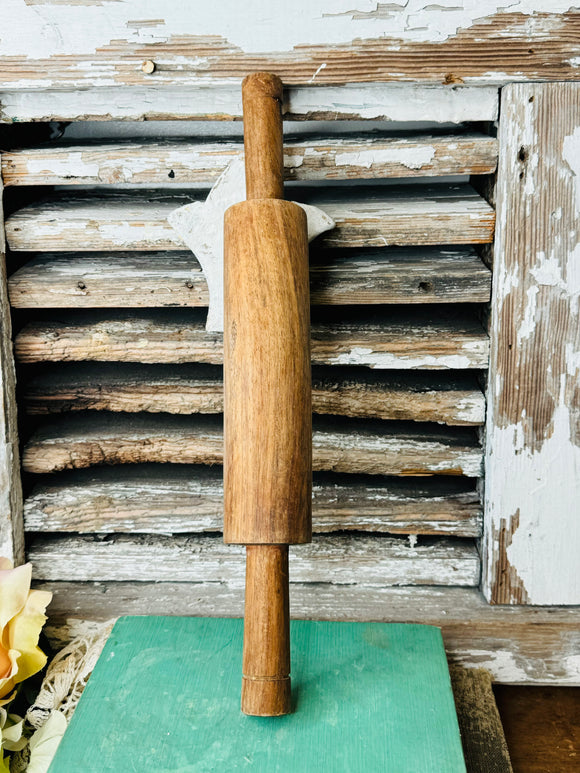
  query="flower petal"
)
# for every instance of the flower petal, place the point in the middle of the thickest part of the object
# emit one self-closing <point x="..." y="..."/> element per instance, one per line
<point x="23" y="633"/>
<point x="44" y="742"/>
<point x="14" y="588"/>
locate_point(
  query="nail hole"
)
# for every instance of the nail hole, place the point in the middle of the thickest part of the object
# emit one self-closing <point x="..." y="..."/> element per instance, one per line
<point x="171" y="174"/>
<point x="522" y="154"/>
<point x="81" y="286"/>
<point x="426" y="287"/>
<point x="521" y="175"/>
<point x="189" y="285"/>
<point x="531" y="99"/>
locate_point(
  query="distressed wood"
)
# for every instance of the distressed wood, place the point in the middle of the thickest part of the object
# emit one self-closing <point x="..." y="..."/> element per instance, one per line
<point x="156" y="279"/>
<point x="388" y="341"/>
<point x="533" y="438"/>
<point x="92" y="46"/>
<point x="11" y="526"/>
<point x="191" y="389"/>
<point x="517" y="645"/>
<point x="367" y="217"/>
<point x="347" y="445"/>
<point x="366" y="560"/>
<point x="153" y="499"/>
<point x="377" y="101"/>
<point x="196" y="161"/>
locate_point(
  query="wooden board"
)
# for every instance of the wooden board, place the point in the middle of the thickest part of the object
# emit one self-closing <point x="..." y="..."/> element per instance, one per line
<point x="542" y="727"/>
<point x="89" y="47"/>
<point x="378" y="716"/>
<point x="153" y="499"/>
<point x="346" y="445"/>
<point x="517" y="645"/>
<point x="369" y="560"/>
<point x="221" y="102"/>
<point x="404" y="341"/>
<point x="533" y="450"/>
<point x="150" y="280"/>
<point x="196" y="161"/>
<point x="137" y="220"/>
<point x="187" y="389"/>
<point x="11" y="528"/>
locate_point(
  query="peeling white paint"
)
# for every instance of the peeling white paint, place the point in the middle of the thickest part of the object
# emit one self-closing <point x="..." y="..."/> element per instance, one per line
<point x="361" y="355"/>
<point x="546" y="563"/>
<point x="413" y="158"/>
<point x="71" y="164"/>
<point x="254" y="27"/>
<point x="528" y="324"/>
<point x="571" y="155"/>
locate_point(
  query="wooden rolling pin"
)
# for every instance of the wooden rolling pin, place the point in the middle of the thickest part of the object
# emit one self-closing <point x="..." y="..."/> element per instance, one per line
<point x="267" y="395"/>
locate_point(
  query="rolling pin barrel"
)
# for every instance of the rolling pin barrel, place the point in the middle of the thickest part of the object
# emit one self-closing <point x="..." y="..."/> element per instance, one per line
<point x="267" y="395"/>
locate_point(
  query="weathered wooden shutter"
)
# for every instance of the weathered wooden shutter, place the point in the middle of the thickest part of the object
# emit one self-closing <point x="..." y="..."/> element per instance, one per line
<point x="120" y="383"/>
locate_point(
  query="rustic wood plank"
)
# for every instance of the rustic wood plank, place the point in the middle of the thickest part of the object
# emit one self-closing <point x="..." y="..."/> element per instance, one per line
<point x="517" y="645"/>
<point x="153" y="499"/>
<point x="11" y="526"/>
<point x="188" y="389"/>
<point x="367" y="217"/>
<point x="533" y="451"/>
<point x="196" y="161"/>
<point x="347" y="445"/>
<point x="386" y="341"/>
<point x="156" y="279"/>
<point x="377" y="101"/>
<point x="90" y="47"/>
<point x="367" y="560"/>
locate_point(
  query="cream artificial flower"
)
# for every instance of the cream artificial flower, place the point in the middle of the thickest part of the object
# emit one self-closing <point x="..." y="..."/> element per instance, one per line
<point x="21" y="620"/>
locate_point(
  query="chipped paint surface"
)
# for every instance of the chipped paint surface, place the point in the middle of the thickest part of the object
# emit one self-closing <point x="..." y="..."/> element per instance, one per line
<point x="413" y="158"/>
<point x="533" y="444"/>
<point x="48" y="28"/>
<point x="56" y="45"/>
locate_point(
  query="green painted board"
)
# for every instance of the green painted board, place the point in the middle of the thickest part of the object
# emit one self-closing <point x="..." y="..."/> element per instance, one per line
<point x="165" y="695"/>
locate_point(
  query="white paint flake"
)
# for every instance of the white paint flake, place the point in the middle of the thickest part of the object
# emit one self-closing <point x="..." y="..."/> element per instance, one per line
<point x="412" y="158"/>
<point x="571" y="155"/>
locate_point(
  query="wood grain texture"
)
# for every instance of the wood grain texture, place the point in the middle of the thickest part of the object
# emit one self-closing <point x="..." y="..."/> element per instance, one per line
<point x="355" y="559"/>
<point x="484" y="744"/>
<point x="315" y="43"/>
<point x="11" y="526"/>
<point x="405" y="341"/>
<point x="129" y="220"/>
<point x="158" y="279"/>
<point x="533" y="439"/>
<point x="542" y="727"/>
<point x="267" y="382"/>
<point x="517" y="645"/>
<point x="197" y="161"/>
<point x="262" y="97"/>
<point x="187" y="389"/>
<point x="347" y="445"/>
<point x="176" y="499"/>
<point x="266" y="651"/>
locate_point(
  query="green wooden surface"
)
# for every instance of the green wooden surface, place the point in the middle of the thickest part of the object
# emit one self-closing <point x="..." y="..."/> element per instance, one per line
<point x="165" y="696"/>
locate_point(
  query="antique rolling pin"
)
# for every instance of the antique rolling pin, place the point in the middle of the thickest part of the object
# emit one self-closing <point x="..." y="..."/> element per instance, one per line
<point x="267" y="395"/>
